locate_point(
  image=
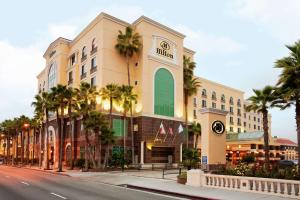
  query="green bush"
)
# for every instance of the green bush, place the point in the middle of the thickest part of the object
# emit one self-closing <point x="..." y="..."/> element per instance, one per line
<point x="79" y="163"/>
<point x="190" y="158"/>
<point x="182" y="175"/>
<point x="248" y="159"/>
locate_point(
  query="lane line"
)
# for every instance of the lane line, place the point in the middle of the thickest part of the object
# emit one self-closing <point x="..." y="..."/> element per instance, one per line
<point x="25" y="183"/>
<point x="58" y="195"/>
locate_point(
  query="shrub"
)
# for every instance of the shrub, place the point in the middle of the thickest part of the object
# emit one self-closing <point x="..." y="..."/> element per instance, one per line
<point x="190" y="158"/>
<point x="248" y="159"/>
<point x="182" y="175"/>
<point x="79" y="163"/>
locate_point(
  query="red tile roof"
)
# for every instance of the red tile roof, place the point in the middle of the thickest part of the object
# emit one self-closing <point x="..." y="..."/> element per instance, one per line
<point x="285" y="141"/>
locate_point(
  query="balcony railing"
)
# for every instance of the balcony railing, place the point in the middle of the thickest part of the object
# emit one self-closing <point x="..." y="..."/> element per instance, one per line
<point x="93" y="69"/>
<point x="94" y="50"/>
<point x="83" y="58"/>
<point x="83" y="75"/>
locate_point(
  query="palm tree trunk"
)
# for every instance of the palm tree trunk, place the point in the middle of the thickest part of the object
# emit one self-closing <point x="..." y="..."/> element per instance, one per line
<point x="132" y="136"/>
<point x="88" y="152"/>
<point x="196" y="142"/>
<point x="22" y="148"/>
<point x="186" y="120"/>
<point x="128" y="69"/>
<point x="266" y="139"/>
<point x="40" y="144"/>
<point x="297" y="105"/>
<point x="124" y="136"/>
<point x="61" y="134"/>
<point x="46" y="153"/>
<point x="97" y="149"/>
<point x="8" y="149"/>
<point x="110" y="112"/>
<point x="72" y="141"/>
<point x="27" y="147"/>
<point x="33" y="147"/>
<point x="17" y="144"/>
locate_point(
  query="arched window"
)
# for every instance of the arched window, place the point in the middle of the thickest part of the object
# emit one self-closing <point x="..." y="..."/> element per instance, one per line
<point x="83" y="53"/>
<point x="94" y="44"/>
<point x="214" y="95"/>
<point x="231" y="101"/>
<point x="239" y="102"/>
<point x="164" y="93"/>
<point x="204" y="92"/>
<point x="52" y="76"/>
<point x="223" y="98"/>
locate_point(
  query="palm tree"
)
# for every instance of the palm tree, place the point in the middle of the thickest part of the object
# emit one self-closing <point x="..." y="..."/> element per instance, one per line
<point x="196" y="130"/>
<point x="108" y="139"/>
<point x="86" y="99"/>
<point x="128" y="97"/>
<point x="190" y="87"/>
<point x="95" y="122"/>
<point x="110" y="92"/>
<point x="42" y="106"/>
<point x="289" y="85"/>
<point x="7" y="128"/>
<point x="128" y="44"/>
<point x="72" y="104"/>
<point x="23" y="121"/>
<point x="36" y="125"/>
<point x="260" y="102"/>
<point x="59" y="101"/>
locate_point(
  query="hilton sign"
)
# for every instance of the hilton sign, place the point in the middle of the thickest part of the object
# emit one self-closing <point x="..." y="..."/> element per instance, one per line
<point x="164" y="49"/>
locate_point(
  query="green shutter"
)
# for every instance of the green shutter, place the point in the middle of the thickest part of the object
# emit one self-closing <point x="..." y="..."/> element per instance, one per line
<point x="118" y="127"/>
<point x="164" y="93"/>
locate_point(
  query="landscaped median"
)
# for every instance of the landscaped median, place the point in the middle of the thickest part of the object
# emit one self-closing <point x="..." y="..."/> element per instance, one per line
<point x="278" y="187"/>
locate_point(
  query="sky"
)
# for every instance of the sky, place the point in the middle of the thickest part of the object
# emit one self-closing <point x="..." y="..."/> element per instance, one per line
<point x="237" y="41"/>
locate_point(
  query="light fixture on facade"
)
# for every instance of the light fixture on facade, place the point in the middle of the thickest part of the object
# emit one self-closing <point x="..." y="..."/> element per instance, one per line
<point x="98" y="99"/>
<point x="106" y="105"/>
<point x="138" y="108"/>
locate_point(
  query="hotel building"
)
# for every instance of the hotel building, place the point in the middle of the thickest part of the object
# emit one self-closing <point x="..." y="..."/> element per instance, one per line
<point x="157" y="77"/>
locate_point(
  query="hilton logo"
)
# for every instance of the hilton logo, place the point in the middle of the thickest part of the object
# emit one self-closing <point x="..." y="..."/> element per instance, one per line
<point x="164" y="50"/>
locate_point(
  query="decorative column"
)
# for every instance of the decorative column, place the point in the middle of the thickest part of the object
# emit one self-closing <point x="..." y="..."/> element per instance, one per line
<point x="142" y="152"/>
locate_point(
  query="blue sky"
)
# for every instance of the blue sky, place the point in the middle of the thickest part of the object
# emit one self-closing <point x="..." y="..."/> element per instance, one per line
<point x="236" y="41"/>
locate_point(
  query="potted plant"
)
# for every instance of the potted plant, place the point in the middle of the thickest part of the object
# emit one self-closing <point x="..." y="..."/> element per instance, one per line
<point x="181" y="178"/>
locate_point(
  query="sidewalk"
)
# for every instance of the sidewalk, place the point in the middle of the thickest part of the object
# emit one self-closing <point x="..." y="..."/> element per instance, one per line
<point x="143" y="179"/>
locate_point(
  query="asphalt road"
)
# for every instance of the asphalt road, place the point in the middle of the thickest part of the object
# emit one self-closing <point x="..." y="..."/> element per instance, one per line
<point x="25" y="184"/>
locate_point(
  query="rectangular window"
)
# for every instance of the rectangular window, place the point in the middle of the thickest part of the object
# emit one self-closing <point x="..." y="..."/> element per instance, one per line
<point x="93" y="63"/>
<point x="231" y="129"/>
<point x="239" y="121"/>
<point x="258" y="127"/>
<point x="93" y="81"/>
<point x="203" y="104"/>
<point x="245" y="116"/>
<point x="222" y="107"/>
<point x="239" y="130"/>
<point x="253" y="146"/>
<point x="254" y="118"/>
<point x="72" y="60"/>
<point x="258" y="119"/>
<point x="214" y="105"/>
<point x="231" y="110"/>
<point x="254" y="127"/>
<point x="195" y="102"/>
<point x="118" y="127"/>
<point x="70" y="76"/>
<point x="231" y="119"/>
<point x="195" y="114"/>
<point x="82" y="70"/>
<point x="239" y="112"/>
<point x="245" y="124"/>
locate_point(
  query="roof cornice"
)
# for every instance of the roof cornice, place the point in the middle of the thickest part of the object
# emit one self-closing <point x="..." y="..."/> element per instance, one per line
<point x="190" y="51"/>
<point x="54" y="43"/>
<point x="155" y="23"/>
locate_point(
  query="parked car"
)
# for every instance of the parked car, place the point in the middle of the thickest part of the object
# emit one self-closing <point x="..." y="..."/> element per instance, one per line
<point x="295" y="162"/>
<point x="286" y="163"/>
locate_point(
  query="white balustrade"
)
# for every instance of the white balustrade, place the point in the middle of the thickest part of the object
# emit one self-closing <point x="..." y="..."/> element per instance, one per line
<point x="279" y="187"/>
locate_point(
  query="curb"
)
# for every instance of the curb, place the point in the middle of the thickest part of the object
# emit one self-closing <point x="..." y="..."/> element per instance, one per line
<point x="175" y="194"/>
<point x="42" y="170"/>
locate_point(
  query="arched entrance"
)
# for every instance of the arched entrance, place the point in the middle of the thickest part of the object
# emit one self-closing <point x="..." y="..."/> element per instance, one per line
<point x="68" y="154"/>
<point x="52" y="146"/>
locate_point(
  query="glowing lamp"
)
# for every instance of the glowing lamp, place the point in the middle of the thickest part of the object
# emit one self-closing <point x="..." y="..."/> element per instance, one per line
<point x="138" y="108"/>
<point x="26" y="125"/>
<point x="98" y="99"/>
<point x="106" y="105"/>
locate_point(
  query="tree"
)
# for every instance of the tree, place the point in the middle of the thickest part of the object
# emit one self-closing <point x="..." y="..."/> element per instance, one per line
<point x="59" y="101"/>
<point x="96" y="122"/>
<point x="289" y="85"/>
<point x="110" y="92"/>
<point x="128" y="97"/>
<point x="108" y="139"/>
<point x="260" y="102"/>
<point x="190" y="87"/>
<point x="7" y="129"/>
<point x="128" y="44"/>
<point x="23" y="120"/>
<point x="36" y="125"/>
<point x="72" y="105"/>
<point x="42" y="106"/>
<point x="196" y="130"/>
<point x="86" y="100"/>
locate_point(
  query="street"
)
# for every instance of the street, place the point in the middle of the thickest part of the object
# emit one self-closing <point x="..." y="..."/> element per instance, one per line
<point x="25" y="184"/>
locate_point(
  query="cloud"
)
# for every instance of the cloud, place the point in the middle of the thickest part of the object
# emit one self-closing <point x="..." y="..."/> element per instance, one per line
<point x="18" y="69"/>
<point x="206" y="43"/>
<point x="280" y="18"/>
